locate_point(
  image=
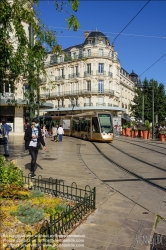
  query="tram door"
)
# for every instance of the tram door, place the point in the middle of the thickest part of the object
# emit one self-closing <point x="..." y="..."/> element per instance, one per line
<point x="88" y="128"/>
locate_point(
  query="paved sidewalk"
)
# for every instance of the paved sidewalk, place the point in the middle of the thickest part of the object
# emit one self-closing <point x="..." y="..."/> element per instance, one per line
<point x="118" y="223"/>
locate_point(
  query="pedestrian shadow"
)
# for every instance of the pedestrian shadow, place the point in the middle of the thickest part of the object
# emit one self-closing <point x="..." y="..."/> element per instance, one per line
<point x="28" y="166"/>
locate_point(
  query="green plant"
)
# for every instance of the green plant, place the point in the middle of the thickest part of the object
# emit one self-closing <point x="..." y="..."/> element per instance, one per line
<point x="60" y="208"/>
<point x="28" y="213"/>
<point x="37" y="193"/>
<point x="13" y="192"/>
<point x="147" y="124"/>
<point x="10" y="173"/>
<point x="124" y="126"/>
<point x="162" y="132"/>
<point x="157" y="220"/>
<point x="145" y="129"/>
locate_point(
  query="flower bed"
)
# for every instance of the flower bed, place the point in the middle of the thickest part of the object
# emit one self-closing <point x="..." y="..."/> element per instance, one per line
<point x="20" y="216"/>
<point x="34" y="219"/>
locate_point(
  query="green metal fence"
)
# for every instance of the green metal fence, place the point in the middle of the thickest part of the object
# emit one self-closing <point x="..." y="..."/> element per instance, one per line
<point x="59" y="224"/>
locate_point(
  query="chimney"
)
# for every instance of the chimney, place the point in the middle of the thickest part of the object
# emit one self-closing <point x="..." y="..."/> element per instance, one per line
<point x="86" y="33"/>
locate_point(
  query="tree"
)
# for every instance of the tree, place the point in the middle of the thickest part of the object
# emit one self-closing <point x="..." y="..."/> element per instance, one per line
<point x="159" y="101"/>
<point x="20" y="55"/>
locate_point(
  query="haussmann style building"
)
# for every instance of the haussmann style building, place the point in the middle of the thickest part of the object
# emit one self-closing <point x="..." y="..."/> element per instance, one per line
<point x="87" y="77"/>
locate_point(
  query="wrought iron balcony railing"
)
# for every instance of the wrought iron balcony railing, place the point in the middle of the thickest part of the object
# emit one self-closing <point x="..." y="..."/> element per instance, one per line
<point x="100" y="104"/>
<point x="67" y="57"/>
<point x="103" y="73"/>
<point x="59" y="77"/>
<point x="86" y="73"/>
<point x="77" y="93"/>
<point x="88" y="104"/>
<point x="75" y="75"/>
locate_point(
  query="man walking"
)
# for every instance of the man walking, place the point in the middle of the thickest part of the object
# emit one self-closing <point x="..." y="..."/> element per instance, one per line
<point x="5" y="133"/>
<point x="60" y="132"/>
<point x="33" y="137"/>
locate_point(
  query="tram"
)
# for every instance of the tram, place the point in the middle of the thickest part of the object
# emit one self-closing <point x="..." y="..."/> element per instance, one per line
<point x="92" y="126"/>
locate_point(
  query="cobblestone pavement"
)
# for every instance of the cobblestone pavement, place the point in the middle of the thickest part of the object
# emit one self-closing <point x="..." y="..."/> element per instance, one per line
<point x="118" y="222"/>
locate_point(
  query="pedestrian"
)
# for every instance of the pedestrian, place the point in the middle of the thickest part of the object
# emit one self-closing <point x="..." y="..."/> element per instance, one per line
<point x="44" y="132"/>
<point x="5" y="134"/>
<point x="60" y="132"/>
<point x="55" y="132"/>
<point x="33" y="140"/>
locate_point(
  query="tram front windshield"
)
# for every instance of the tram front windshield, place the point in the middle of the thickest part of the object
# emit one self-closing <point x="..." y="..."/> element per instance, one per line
<point x="105" y="123"/>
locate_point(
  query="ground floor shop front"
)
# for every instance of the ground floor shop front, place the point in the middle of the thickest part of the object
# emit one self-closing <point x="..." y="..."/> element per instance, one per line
<point x="13" y="117"/>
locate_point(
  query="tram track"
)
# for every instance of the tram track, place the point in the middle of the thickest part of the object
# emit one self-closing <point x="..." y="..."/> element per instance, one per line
<point x="136" y="158"/>
<point x="148" y="143"/>
<point x="130" y="172"/>
<point x="109" y="184"/>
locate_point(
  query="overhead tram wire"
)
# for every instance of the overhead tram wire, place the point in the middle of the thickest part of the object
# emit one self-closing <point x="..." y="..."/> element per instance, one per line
<point x="152" y="64"/>
<point x="107" y="32"/>
<point x="130" y="21"/>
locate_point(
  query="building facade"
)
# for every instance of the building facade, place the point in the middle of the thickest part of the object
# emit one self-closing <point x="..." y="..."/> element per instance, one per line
<point x="87" y="77"/>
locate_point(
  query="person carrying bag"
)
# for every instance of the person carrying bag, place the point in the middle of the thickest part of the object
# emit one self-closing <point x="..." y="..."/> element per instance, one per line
<point x="33" y="140"/>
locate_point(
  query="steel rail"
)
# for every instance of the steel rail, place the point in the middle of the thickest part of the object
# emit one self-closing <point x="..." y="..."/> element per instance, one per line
<point x="138" y="159"/>
<point x="128" y="171"/>
<point x="145" y="147"/>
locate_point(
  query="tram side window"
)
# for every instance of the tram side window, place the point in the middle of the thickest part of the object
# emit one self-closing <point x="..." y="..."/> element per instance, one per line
<point x="95" y="125"/>
<point x="87" y="125"/>
<point x="75" y="125"/>
<point x="82" y="125"/>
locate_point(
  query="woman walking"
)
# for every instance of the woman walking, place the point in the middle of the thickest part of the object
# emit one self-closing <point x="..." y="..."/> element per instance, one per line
<point x="33" y="137"/>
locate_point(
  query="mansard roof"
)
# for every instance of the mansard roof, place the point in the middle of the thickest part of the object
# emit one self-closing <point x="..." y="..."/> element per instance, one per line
<point x="94" y="36"/>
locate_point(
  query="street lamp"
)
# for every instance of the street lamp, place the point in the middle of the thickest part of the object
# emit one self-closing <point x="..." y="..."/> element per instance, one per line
<point x="141" y="87"/>
<point x="58" y="111"/>
<point x="153" y="110"/>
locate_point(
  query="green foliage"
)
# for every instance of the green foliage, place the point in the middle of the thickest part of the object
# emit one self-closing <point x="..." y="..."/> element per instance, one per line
<point x="27" y="58"/>
<point x="10" y="173"/>
<point x="60" y="208"/>
<point x="157" y="220"/>
<point x="28" y="213"/>
<point x="37" y="193"/>
<point x="147" y="124"/>
<point x="73" y="23"/>
<point x="146" y="94"/>
<point x="127" y="124"/>
<point x="14" y="192"/>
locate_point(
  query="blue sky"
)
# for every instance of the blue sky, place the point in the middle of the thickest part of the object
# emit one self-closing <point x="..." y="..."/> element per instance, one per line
<point x="143" y="42"/>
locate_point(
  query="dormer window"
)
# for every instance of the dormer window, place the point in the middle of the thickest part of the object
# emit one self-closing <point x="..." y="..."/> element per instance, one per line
<point x="74" y="55"/>
<point x="89" y="41"/>
<point x="61" y="59"/>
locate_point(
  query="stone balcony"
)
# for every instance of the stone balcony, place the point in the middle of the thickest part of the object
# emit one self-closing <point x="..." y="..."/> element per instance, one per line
<point x="84" y="92"/>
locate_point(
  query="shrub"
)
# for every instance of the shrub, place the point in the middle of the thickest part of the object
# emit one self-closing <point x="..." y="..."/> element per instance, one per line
<point x="60" y="208"/>
<point x="29" y="213"/>
<point x="10" y="173"/>
<point x="37" y="193"/>
<point x="14" y="192"/>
